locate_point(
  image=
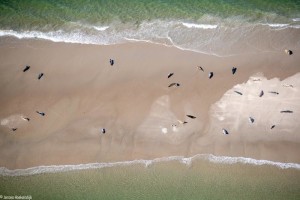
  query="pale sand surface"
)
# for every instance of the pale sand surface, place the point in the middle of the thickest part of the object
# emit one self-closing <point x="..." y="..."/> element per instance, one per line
<point x="81" y="93"/>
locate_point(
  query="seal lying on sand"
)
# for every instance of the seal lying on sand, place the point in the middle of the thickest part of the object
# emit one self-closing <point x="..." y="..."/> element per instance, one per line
<point x="273" y="92"/>
<point x="225" y="132"/>
<point x="174" y="84"/>
<point x="200" y="68"/>
<point x="170" y="74"/>
<point x="238" y="92"/>
<point x="112" y="62"/>
<point x="234" y="70"/>
<point x="40" y="75"/>
<point x="26" y="68"/>
<point x="191" y="116"/>
<point x="261" y="93"/>
<point x="286" y="111"/>
<point x="251" y="119"/>
<point x="273" y="126"/>
<point x="26" y="118"/>
<point x="40" y="113"/>
<point x="288" y="52"/>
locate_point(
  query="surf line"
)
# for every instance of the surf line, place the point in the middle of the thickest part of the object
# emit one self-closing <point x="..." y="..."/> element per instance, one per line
<point x="184" y="160"/>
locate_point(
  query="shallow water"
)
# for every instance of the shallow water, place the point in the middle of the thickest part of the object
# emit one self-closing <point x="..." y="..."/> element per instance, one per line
<point x="163" y="180"/>
<point x="202" y="26"/>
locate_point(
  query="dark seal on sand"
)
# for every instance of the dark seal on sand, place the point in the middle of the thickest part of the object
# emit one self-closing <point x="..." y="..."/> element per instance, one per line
<point x="288" y="52"/>
<point x="112" y="62"/>
<point x="225" y="132"/>
<point x="238" y="92"/>
<point x="26" y="68"/>
<point x="286" y="111"/>
<point x="174" y="84"/>
<point x="191" y="116"/>
<point x="170" y="74"/>
<point x="234" y="70"/>
<point x="261" y="93"/>
<point x="273" y="126"/>
<point x="200" y="68"/>
<point x="40" y="75"/>
<point x="40" y="113"/>
<point x="251" y="119"/>
<point x="273" y="92"/>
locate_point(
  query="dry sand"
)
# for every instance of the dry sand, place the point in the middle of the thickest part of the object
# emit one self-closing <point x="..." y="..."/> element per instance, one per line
<point x="81" y="93"/>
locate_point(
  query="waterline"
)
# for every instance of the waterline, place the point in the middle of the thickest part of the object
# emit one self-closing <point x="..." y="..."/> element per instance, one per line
<point x="184" y="160"/>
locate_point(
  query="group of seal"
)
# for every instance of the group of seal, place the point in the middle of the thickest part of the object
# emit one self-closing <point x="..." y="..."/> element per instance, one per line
<point x="26" y="68"/>
<point x="210" y="76"/>
<point x="233" y="71"/>
<point x="251" y="119"/>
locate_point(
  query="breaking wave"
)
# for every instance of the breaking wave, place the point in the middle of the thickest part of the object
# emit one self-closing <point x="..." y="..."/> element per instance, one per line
<point x="187" y="161"/>
<point x="100" y="28"/>
<point x="201" y="26"/>
<point x="208" y="36"/>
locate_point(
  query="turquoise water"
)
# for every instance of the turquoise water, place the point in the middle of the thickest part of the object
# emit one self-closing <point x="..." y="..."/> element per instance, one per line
<point x="163" y="180"/>
<point x="38" y="13"/>
<point x="202" y="26"/>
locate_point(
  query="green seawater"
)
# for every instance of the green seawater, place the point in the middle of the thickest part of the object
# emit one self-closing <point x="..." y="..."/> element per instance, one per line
<point x="39" y="14"/>
<point x="166" y="180"/>
<point x="204" y="26"/>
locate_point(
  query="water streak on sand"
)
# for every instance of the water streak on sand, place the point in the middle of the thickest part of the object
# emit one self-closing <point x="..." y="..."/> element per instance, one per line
<point x="187" y="161"/>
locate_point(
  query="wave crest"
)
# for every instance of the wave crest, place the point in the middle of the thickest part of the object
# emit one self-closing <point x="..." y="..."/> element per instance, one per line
<point x="201" y="26"/>
<point x="208" y="36"/>
<point x="187" y="161"/>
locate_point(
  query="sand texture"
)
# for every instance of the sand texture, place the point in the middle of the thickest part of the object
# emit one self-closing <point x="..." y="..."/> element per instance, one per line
<point x="81" y="93"/>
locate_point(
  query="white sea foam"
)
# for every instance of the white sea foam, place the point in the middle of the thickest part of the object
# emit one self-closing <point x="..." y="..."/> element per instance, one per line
<point x="200" y="26"/>
<point x="55" y="36"/>
<point x="100" y="28"/>
<point x="177" y="33"/>
<point x="295" y="26"/>
<point x="282" y="26"/>
<point x="187" y="161"/>
<point x="251" y="161"/>
<point x="296" y="19"/>
<point x="278" y="25"/>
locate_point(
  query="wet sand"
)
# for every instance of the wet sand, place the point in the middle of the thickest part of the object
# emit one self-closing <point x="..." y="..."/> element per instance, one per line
<point x="81" y="93"/>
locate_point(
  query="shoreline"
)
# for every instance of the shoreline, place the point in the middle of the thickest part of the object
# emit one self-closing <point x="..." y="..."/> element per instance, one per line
<point x="82" y="93"/>
<point x="222" y="160"/>
<point x="109" y="34"/>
